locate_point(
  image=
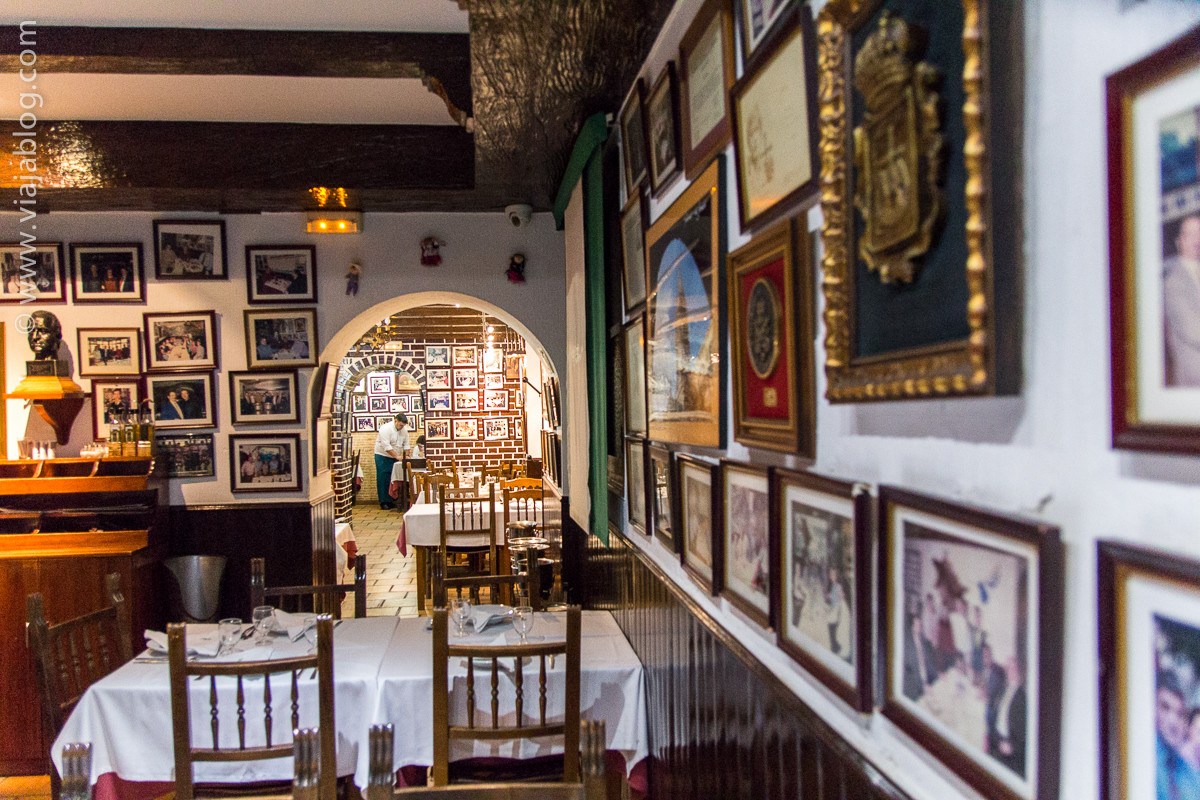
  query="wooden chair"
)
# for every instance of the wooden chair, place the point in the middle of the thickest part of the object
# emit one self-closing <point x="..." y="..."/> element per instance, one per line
<point x="458" y="493"/>
<point x="382" y="775"/>
<point x="326" y="598"/>
<point x="434" y="483"/>
<point x="522" y="483"/>
<point x="498" y="586"/>
<point x="77" y="772"/>
<point x="461" y="518"/>
<point x="522" y="505"/>
<point x="250" y="695"/>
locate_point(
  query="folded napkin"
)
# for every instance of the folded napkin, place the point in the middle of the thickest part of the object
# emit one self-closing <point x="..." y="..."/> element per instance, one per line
<point x="484" y="615"/>
<point x="294" y="625"/>
<point x="198" y="644"/>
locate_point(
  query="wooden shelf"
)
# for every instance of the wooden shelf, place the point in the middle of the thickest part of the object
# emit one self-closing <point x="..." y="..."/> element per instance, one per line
<point x="69" y="475"/>
<point x="82" y="543"/>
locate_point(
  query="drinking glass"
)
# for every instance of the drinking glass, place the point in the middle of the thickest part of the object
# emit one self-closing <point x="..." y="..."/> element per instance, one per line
<point x="230" y="630"/>
<point x="523" y="621"/>
<point x="460" y="611"/>
<point x="264" y="618"/>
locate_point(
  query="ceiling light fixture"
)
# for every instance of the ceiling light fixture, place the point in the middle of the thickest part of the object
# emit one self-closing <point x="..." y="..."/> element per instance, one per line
<point x="326" y="221"/>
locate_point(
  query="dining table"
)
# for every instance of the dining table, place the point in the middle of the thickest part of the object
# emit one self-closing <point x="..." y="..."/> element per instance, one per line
<point x="383" y="673"/>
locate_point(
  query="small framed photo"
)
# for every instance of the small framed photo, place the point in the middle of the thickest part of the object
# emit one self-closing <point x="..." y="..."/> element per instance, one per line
<point x="823" y="595"/>
<point x="259" y="398"/>
<point x="437" y="355"/>
<point x="183" y="340"/>
<point x="280" y="273"/>
<point x="437" y="379"/>
<point x="111" y="401"/>
<point x="634" y="137"/>
<point x="108" y="273"/>
<point x="757" y="18"/>
<point x="186" y="455"/>
<point x="358" y="403"/>
<point x="182" y="401"/>
<point x="189" y="250"/>
<point x="495" y="428"/>
<point x="635" y="482"/>
<point x="437" y="430"/>
<point x="378" y="405"/>
<point x="322" y="438"/>
<point x="466" y="401"/>
<point x="439" y="401"/>
<point x="324" y="387"/>
<point x="493" y="360"/>
<point x="747" y="539"/>
<point x="662" y="119"/>
<point x="635" y="376"/>
<point x="265" y="463"/>
<point x="633" y="251"/>
<point x="971" y="611"/>
<point x="493" y="382"/>
<point x="514" y="367"/>
<point x="109" y="351"/>
<point x="698" y="518"/>
<point x="40" y="281"/>
<point x="364" y="424"/>
<point x="495" y="401"/>
<point x="660" y="495"/>
<point x="281" y="338"/>
<point x="418" y="422"/>
<point x="466" y="428"/>
<point x="383" y="419"/>
<point x="398" y="404"/>
<point x="466" y="379"/>
<point x="465" y="356"/>
<point x="414" y="402"/>
<point x="706" y="74"/>
<point x="379" y="383"/>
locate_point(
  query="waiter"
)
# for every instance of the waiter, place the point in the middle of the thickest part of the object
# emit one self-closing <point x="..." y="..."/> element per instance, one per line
<point x="391" y="442"/>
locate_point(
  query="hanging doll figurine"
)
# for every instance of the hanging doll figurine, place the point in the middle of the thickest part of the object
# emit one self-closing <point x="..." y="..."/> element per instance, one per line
<point x="516" y="268"/>
<point x="430" y="256"/>
<point x="352" y="277"/>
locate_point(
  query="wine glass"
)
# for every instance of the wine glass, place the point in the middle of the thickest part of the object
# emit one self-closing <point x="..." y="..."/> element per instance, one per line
<point x="523" y="621"/>
<point x="460" y="611"/>
<point x="263" y="617"/>
<point x="230" y="630"/>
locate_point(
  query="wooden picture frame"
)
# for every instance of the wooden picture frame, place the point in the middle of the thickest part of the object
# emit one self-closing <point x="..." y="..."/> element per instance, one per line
<point x="495" y="400"/>
<point x="757" y="20"/>
<point x="437" y="378"/>
<point x="465" y="428"/>
<point x="1011" y="570"/>
<point x="190" y="250"/>
<point x="437" y="355"/>
<point x="633" y="253"/>
<point x="383" y="419"/>
<point x="322" y="444"/>
<point x="495" y="428"/>
<point x="183" y="400"/>
<point x="378" y="404"/>
<point x="358" y="403"/>
<point x="466" y="401"/>
<point x="697" y="525"/>
<point x="437" y="430"/>
<point x="264" y="398"/>
<point x="662" y="124"/>
<point x="186" y="455"/>
<point x="438" y="401"/>
<point x="493" y="360"/>
<point x="285" y="337"/>
<point x="380" y="383"/>
<point x="109" y="351"/>
<point x="493" y="382"/>
<point x="180" y="340"/>
<point x="636" y="507"/>
<point x="364" y="424"/>
<point x="464" y="355"/>
<point x="466" y="379"/>
<point x="112" y="398"/>
<point x="281" y="273"/>
<point x="274" y="459"/>
<point x="398" y="404"/>
<point x="634" y="138"/>
<point x="108" y="273"/>
<point x="706" y="74"/>
<point x="635" y="376"/>
<point x="47" y="285"/>
<point x="324" y="388"/>
<point x="660" y="494"/>
<point x="748" y="533"/>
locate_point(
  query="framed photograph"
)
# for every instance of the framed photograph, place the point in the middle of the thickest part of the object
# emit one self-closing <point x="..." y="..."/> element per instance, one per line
<point x="466" y="428"/>
<point x="823" y="610"/>
<point x="756" y="18"/>
<point x="771" y="325"/>
<point x="437" y="430"/>
<point x="379" y="383"/>
<point x="398" y="404"/>
<point x="635" y="482"/>
<point x="495" y="428"/>
<point x="686" y="247"/>
<point x="493" y="360"/>
<point x="281" y="338"/>
<point x="265" y="463"/>
<point x="465" y="356"/>
<point x="635" y="376"/>
<point x="493" y="382"/>
<point x="662" y="120"/>
<point x="634" y="137"/>
<point x="922" y="291"/>
<point x="1154" y="249"/>
<point x="971" y="610"/>
<point x="414" y="402"/>
<point x="383" y="419"/>
<point x="182" y="401"/>
<point x="378" y="405"/>
<point x="660" y="495"/>
<point x="358" y="403"/>
<point x="281" y="273"/>
<point x="259" y="398"/>
<point x="186" y="455"/>
<point x="183" y="340"/>
<point x="189" y="250"/>
<point x="437" y="355"/>
<point x="111" y="401"/>
<point x="495" y="401"/>
<point x="514" y="367"/>
<point x="108" y="273"/>
<point x="633" y="249"/>
<point x="322" y="438"/>
<point x="364" y="424"/>
<point x="109" y="351"/>
<point x="418" y="422"/>
<point x="324" y="388"/>
<point x="466" y="401"/>
<point x="747" y="539"/>
<point x="706" y="74"/>
<point x="698" y="519"/>
<point x="466" y="379"/>
<point x="40" y="281"/>
<point x="439" y="401"/>
<point x="437" y="379"/>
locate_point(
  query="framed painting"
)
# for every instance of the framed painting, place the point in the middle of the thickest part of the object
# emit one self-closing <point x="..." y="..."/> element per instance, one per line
<point x="437" y="355"/>
<point x="183" y="340"/>
<point x="112" y="400"/>
<point x="747" y="539"/>
<point x="493" y="360"/>
<point x="324" y="388"/>
<point x="495" y="428"/>
<point x="322" y="438"/>
<point x="771" y="327"/>
<point x="971" y="610"/>
<point x="466" y="401"/>
<point x="706" y="74"/>
<point x="514" y="367"/>
<point x="466" y="428"/>
<point x="466" y="379"/>
<point x="633" y="253"/>
<point x="437" y="378"/>
<point x="364" y="424"/>
<point x="697" y="521"/>
<point x="32" y="273"/>
<point x="265" y="463"/>
<point x="495" y="401"/>
<point x="465" y="356"/>
<point x="189" y="250"/>
<point x="439" y="401"/>
<point x="636" y="158"/>
<point x="358" y="403"/>
<point x="685" y="333"/>
<point x="660" y="493"/>
<point x="823" y="610"/>
<point x="281" y="338"/>
<point x="260" y="398"/>
<point x="379" y="383"/>
<point x="493" y="382"/>
<point x="614" y="411"/>
<point x="183" y="401"/>
<point x="635" y="376"/>
<point x="186" y="455"/>
<point x="109" y="351"/>
<point x="662" y="123"/>
<point x="378" y="405"/>
<point x="281" y="273"/>
<point x="922" y="287"/>
<point x="1154" y="249"/>
<point x="635" y="482"/>
<point x="756" y="19"/>
<point x="437" y="430"/>
<point x="108" y="273"/>
<point x="398" y="404"/>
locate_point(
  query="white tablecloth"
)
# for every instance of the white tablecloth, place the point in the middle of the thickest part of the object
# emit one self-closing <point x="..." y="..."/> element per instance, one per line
<point x="423" y="526"/>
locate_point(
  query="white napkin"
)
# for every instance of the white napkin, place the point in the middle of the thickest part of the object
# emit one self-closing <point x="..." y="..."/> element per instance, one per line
<point x="249" y="654"/>
<point x="294" y="625"/>
<point x="484" y="615"/>
<point x="198" y="644"/>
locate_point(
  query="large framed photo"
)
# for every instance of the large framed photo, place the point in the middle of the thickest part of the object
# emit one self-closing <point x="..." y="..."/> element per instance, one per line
<point x="495" y="428"/>
<point x="971" y="610"/>
<point x="634" y="137"/>
<point x="823" y="610"/>
<point x="437" y="379"/>
<point x="633" y="253"/>
<point x="378" y="404"/>
<point x="757" y="18"/>
<point x="495" y="401"/>
<point x="635" y="482"/>
<point x="281" y="273"/>
<point x="466" y="379"/>
<point x="182" y="401"/>
<point x="265" y="463"/>
<point x="706" y="73"/>
<point x="1154" y="249"/>
<point x="108" y="273"/>
<point x="493" y="360"/>
<point x="635" y="376"/>
<point x="660" y="492"/>
<point x="439" y="401"/>
<point x="464" y="356"/>
<point x="358" y="403"/>
<point x="259" y="398"/>
<point x="32" y="273"/>
<point x="698" y="518"/>
<point x="437" y="430"/>
<point x="466" y="401"/>
<point x="281" y="338"/>
<point x="364" y="424"/>
<point x="186" y="455"/>
<point x="109" y="351"/>
<point x="466" y="428"/>
<point x="662" y="121"/>
<point x="380" y="383"/>
<point x="183" y="340"/>
<point x="112" y="401"/>
<point x="398" y="404"/>
<point x="189" y="250"/>
<point x="437" y="355"/>
<point x="685" y="335"/>
<point x="747" y="539"/>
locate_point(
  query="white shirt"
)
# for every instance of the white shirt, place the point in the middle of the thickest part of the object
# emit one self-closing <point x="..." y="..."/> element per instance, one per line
<point x="389" y="438"/>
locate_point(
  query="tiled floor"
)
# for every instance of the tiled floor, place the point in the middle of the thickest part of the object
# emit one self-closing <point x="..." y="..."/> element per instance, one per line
<point x="27" y="788"/>
<point x="391" y="577"/>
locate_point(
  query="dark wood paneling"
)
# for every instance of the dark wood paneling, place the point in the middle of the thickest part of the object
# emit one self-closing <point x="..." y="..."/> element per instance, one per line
<point x="324" y="560"/>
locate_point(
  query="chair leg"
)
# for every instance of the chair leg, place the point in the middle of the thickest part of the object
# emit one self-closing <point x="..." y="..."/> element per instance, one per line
<point x="421" y="578"/>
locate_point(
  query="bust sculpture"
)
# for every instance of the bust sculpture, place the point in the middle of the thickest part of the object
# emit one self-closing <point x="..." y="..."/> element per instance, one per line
<point x="45" y="336"/>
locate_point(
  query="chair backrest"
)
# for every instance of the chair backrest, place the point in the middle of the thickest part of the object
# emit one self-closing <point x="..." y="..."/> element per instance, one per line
<point x="72" y="655"/>
<point x="434" y="483"/>
<point x="524" y="505"/>
<point x="77" y="772"/>
<point x="523" y="483"/>
<point x="248" y="685"/>
<point x="457" y="493"/>
<point x="476" y="516"/>
<point x="443" y="731"/>
<point x="326" y="598"/>
<point x="498" y="586"/>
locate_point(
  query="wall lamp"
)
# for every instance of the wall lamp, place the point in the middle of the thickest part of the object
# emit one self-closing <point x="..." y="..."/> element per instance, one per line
<point x="325" y="221"/>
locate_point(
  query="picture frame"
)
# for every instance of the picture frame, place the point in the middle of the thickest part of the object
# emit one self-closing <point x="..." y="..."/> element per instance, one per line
<point x="398" y="404"/>
<point x="635" y="376"/>
<point x="437" y="379"/>
<point x="108" y="273"/>
<point x="493" y="360"/>
<point x="182" y="400"/>
<point x="495" y="428"/>
<point x="697" y="522"/>
<point x="928" y="307"/>
<point x="770" y="316"/>
<point x="281" y="273"/>
<point x="660" y="495"/>
<point x="377" y="404"/>
<point x="418" y="422"/>
<point x="706" y="74"/>
<point x="825" y="556"/>
<point x="266" y="463"/>
<point x="464" y="356"/>
<point x="635" y="138"/>
<point x="1154" y="234"/>
<point x="358" y="403"/>
<point x="1003" y="576"/>
<point x="186" y="455"/>
<point x="493" y="382"/>
<point x="112" y="398"/>
<point x="756" y="20"/>
<point x="696" y="217"/>
<point x="364" y="424"/>
<point x="45" y="285"/>
<point x="437" y="355"/>
<point x="635" y="483"/>
<point x="774" y="121"/>
<point x="466" y="379"/>
<point x="748" y="540"/>
<point x="263" y="398"/>
<point x="514" y="367"/>
<point x="109" y="351"/>
<point x="380" y="383"/>
<point x="181" y="340"/>
<point x="322" y="444"/>
<point x="324" y="389"/>
<point x="466" y="428"/>
<point x="383" y="419"/>
<point x="278" y="338"/>
<point x="437" y="430"/>
<point x="495" y="401"/>
<point x="414" y="403"/>
<point x="662" y="122"/>
<point x="466" y="401"/>
<point x="190" y="250"/>
<point x="633" y="253"/>
<point x="438" y="401"/>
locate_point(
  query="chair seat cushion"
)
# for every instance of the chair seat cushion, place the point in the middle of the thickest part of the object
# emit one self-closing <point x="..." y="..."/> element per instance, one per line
<point x="507" y="770"/>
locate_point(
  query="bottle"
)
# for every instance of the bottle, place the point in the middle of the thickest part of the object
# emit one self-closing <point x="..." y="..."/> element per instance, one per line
<point x="145" y="442"/>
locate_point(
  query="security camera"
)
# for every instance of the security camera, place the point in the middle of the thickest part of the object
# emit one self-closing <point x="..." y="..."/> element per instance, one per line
<point x="519" y="215"/>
